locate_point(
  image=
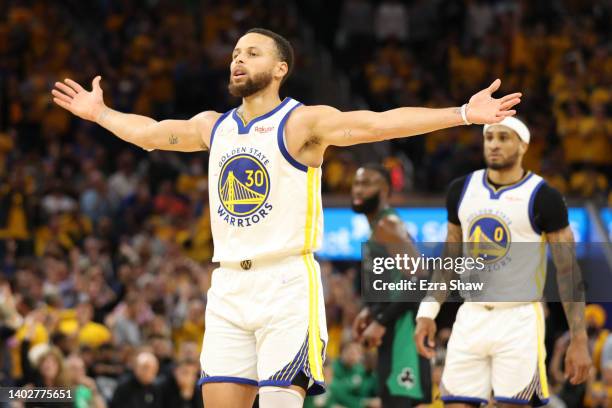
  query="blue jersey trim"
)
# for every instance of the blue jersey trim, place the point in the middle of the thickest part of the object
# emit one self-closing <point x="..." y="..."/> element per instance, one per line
<point x="518" y="401"/>
<point x="244" y="129"/>
<point x="494" y="195"/>
<point x="470" y="400"/>
<point x="281" y="142"/>
<point x="296" y="365"/>
<point x="217" y="123"/>
<point x="463" y="190"/>
<point x="531" y="206"/>
<point x="221" y="379"/>
<point x="275" y="383"/>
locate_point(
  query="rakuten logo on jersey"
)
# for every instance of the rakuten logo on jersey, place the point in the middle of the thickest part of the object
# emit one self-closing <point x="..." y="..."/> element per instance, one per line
<point x="264" y="129"/>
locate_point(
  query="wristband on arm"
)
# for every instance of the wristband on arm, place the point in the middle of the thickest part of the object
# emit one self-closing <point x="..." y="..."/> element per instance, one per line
<point x="428" y="308"/>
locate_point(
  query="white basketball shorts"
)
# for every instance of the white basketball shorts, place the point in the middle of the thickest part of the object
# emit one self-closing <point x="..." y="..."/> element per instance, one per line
<point x="496" y="349"/>
<point x="265" y="324"/>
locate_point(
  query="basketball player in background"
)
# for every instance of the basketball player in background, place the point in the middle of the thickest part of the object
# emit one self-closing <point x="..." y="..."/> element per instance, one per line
<point x="498" y="345"/>
<point x="404" y="377"/>
<point x="265" y="323"/>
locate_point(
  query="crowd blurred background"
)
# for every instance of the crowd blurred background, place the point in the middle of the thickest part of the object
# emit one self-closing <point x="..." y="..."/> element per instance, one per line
<point x="105" y="249"/>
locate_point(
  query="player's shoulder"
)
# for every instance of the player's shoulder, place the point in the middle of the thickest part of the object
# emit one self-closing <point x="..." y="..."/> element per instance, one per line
<point x="549" y="194"/>
<point x="457" y="184"/>
<point x="306" y="116"/>
<point x="389" y="220"/>
<point x="315" y="109"/>
<point x="310" y="113"/>
<point x="207" y="116"/>
<point x="389" y="228"/>
<point x="302" y="120"/>
<point x="205" y="123"/>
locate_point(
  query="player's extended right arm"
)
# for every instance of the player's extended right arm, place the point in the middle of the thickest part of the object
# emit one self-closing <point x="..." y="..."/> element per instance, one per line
<point x="178" y="135"/>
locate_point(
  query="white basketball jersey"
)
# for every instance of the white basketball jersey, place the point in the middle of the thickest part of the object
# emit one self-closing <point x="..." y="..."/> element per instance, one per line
<point x="498" y="225"/>
<point x="263" y="203"/>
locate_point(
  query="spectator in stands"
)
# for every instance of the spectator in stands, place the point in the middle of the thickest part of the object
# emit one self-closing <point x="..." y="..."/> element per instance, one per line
<point x="352" y="385"/>
<point x="86" y="392"/>
<point x="192" y="327"/>
<point x="95" y="199"/>
<point x="137" y="389"/>
<point x="10" y="320"/>
<point x="47" y="368"/>
<point x="599" y="390"/>
<point x="81" y="326"/>
<point x="179" y="388"/>
<point x="126" y="329"/>
<point x="124" y="181"/>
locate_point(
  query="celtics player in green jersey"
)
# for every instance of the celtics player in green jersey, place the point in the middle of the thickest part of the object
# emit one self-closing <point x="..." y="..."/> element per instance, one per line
<point x="404" y="376"/>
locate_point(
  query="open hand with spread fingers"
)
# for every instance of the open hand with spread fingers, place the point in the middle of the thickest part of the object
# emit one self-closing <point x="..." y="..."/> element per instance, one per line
<point x="484" y="109"/>
<point x="75" y="99"/>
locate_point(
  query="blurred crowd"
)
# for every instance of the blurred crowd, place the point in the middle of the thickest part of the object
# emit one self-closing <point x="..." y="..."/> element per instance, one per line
<point x="105" y="249"/>
<point x="438" y="53"/>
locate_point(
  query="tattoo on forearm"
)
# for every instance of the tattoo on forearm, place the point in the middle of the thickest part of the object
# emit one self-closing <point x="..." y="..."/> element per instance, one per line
<point x="347" y="133"/>
<point x="569" y="280"/>
<point x="173" y="139"/>
<point x="574" y="312"/>
<point x="457" y="111"/>
<point x="103" y="115"/>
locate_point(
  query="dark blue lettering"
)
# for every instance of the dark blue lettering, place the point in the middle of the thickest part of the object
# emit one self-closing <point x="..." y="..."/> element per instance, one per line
<point x="220" y="211"/>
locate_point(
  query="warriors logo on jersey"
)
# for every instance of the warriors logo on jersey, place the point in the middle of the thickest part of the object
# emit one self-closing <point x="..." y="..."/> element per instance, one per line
<point x="243" y="189"/>
<point x="489" y="238"/>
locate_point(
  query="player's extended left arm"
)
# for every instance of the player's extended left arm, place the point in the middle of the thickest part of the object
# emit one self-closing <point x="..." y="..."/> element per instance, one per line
<point x="571" y="292"/>
<point x="333" y="127"/>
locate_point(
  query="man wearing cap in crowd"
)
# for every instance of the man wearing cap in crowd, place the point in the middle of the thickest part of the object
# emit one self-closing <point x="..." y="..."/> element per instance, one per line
<point x="497" y="343"/>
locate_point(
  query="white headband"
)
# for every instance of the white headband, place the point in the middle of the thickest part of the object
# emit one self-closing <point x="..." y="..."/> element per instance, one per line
<point x="514" y="124"/>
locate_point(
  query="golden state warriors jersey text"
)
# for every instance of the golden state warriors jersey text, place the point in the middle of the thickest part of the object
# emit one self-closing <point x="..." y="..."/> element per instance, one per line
<point x="263" y="202"/>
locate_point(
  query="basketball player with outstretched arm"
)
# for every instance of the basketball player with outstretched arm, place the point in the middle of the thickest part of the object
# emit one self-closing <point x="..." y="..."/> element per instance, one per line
<point x="265" y="323"/>
<point x="507" y="215"/>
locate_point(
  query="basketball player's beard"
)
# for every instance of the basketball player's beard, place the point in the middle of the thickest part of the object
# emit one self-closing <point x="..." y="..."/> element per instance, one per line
<point x="251" y="86"/>
<point x="368" y="206"/>
<point x="505" y="165"/>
